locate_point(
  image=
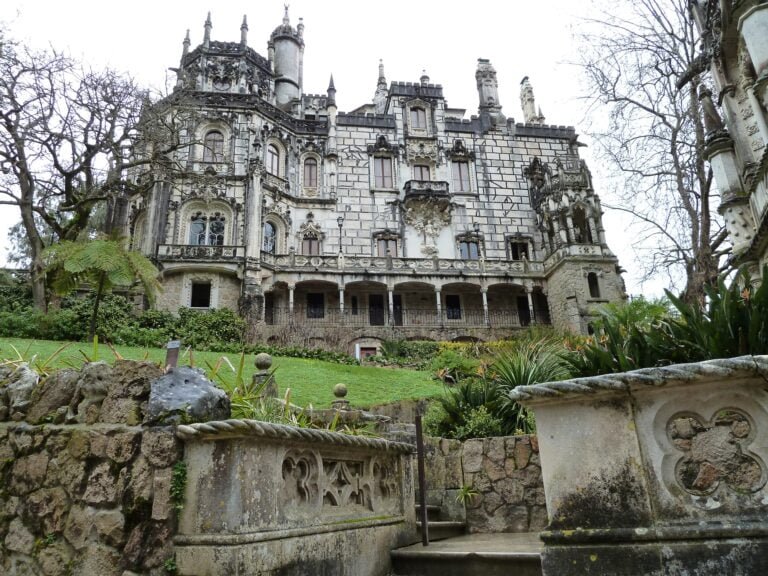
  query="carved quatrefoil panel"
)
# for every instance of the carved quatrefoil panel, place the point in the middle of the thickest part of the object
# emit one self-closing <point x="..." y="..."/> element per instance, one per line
<point x="716" y="452"/>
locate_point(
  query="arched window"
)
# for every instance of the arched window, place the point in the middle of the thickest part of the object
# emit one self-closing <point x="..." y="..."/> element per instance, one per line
<point x="418" y="118"/>
<point x="469" y="250"/>
<point x="213" y="147"/>
<point x="594" y="287"/>
<point x="382" y="172"/>
<point x="207" y="230"/>
<point x="269" y="243"/>
<point x="310" y="173"/>
<point x="273" y="160"/>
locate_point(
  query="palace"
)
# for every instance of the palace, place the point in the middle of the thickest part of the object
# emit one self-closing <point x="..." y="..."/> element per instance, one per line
<point x="401" y="218"/>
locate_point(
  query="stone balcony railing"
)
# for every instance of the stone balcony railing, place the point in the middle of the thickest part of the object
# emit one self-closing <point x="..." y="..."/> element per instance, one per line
<point x="576" y="250"/>
<point x="384" y="264"/>
<point x="186" y="252"/>
<point x="425" y="188"/>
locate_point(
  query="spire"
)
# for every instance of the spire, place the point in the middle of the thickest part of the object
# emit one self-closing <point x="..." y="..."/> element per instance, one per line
<point x="300" y="28"/>
<point x="286" y="20"/>
<point x="331" y="100"/>
<point x="528" y="103"/>
<point x="185" y="44"/>
<point x="244" y="31"/>
<point x="424" y="78"/>
<point x="380" y="97"/>
<point x="207" y="34"/>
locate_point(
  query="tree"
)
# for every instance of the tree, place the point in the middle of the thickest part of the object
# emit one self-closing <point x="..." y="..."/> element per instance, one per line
<point x="66" y="135"/>
<point x="653" y="139"/>
<point x="102" y="263"/>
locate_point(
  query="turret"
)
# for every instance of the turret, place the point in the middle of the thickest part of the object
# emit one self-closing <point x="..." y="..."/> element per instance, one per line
<point x="244" y="32"/>
<point x="286" y="49"/>
<point x="207" y="31"/>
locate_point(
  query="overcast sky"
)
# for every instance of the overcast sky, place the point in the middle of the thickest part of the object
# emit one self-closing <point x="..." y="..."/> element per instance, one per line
<point x="345" y="38"/>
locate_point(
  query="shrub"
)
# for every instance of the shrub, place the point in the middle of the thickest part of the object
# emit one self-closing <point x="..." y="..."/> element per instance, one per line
<point x="219" y="329"/>
<point x="479" y="423"/>
<point x="450" y="366"/>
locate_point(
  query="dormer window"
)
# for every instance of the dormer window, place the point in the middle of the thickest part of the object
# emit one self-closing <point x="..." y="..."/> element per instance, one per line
<point x="213" y="147"/>
<point x="418" y="119"/>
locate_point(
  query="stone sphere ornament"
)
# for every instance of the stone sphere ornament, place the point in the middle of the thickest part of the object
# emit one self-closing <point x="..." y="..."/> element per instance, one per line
<point x="340" y="390"/>
<point x="263" y="361"/>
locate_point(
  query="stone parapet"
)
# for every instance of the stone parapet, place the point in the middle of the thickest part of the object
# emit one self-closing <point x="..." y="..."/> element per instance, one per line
<point x="656" y="471"/>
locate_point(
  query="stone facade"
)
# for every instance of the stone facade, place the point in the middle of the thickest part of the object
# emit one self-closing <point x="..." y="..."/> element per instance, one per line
<point x="400" y="216"/>
<point x="735" y="51"/>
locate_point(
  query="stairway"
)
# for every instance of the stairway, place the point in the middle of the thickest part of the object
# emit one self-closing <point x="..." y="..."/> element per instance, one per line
<point x="471" y="555"/>
<point x="439" y="529"/>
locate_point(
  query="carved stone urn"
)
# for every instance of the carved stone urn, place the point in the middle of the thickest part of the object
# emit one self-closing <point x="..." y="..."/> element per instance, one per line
<point x="657" y="471"/>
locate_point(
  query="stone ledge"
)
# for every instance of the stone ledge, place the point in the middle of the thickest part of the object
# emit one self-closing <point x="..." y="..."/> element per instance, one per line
<point x="701" y="531"/>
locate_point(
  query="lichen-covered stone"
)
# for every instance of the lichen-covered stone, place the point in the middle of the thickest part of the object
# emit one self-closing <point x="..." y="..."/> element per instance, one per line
<point x="53" y="393"/>
<point x="110" y="526"/>
<point x="473" y="455"/>
<point x="90" y="393"/>
<point x="28" y="473"/>
<point x="46" y="509"/>
<point x="122" y="447"/>
<point x="185" y="395"/>
<point x="160" y="447"/>
<point x="101" y="488"/>
<point x="19" y="538"/>
<point x="18" y="388"/>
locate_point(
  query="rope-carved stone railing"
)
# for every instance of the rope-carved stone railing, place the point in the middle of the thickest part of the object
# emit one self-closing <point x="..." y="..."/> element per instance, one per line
<point x="646" y="376"/>
<point x="249" y="428"/>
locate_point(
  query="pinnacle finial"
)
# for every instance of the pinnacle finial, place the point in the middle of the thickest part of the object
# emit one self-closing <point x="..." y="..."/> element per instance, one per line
<point x="208" y="26"/>
<point x="244" y="31"/>
<point x="331" y="100"/>
<point x="286" y="20"/>
<point x="185" y="44"/>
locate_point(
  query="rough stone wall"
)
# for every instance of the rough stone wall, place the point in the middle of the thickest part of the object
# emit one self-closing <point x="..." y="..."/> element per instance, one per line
<point x="504" y="473"/>
<point x="91" y="497"/>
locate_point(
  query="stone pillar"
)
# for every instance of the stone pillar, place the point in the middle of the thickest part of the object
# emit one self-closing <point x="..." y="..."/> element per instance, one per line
<point x="559" y="240"/>
<point x="529" y="294"/>
<point x="391" y="306"/>
<point x="486" y="318"/>
<point x="341" y="303"/>
<point x="291" y="288"/>
<point x="439" y="303"/>
<point x="253" y="218"/>
<point x="263" y="379"/>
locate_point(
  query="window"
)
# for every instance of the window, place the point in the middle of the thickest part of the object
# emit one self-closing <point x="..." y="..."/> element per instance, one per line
<point x="594" y="287"/>
<point x="269" y="242"/>
<point x="201" y="295"/>
<point x="418" y="118"/>
<point x="382" y="172"/>
<point x="453" y="306"/>
<point x="518" y="250"/>
<point x="207" y="230"/>
<point x="420" y="172"/>
<point x="310" y="173"/>
<point x="310" y="245"/>
<point x="469" y="250"/>
<point x="213" y="147"/>
<point x="460" y="173"/>
<point x="273" y="160"/>
<point x="316" y="305"/>
<point x="386" y="246"/>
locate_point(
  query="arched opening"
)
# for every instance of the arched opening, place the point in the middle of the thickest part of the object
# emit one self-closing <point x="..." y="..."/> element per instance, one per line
<point x="273" y="160"/>
<point x="269" y="240"/>
<point x="594" y="286"/>
<point x="213" y="147"/>
<point x="310" y="173"/>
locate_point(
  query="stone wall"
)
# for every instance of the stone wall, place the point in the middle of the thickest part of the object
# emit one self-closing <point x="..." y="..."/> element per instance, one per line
<point x="91" y="496"/>
<point x="502" y="474"/>
<point x="506" y="473"/>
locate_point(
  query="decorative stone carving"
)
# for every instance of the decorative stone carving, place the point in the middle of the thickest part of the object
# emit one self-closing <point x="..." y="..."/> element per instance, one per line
<point x="429" y="215"/>
<point x="421" y="150"/>
<point x="383" y="146"/>
<point x="459" y="151"/>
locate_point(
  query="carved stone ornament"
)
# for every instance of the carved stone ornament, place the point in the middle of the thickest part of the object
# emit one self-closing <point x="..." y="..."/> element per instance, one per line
<point x="421" y="150"/>
<point x="428" y="215"/>
<point x="716" y="454"/>
<point x="459" y="151"/>
<point x="383" y="146"/>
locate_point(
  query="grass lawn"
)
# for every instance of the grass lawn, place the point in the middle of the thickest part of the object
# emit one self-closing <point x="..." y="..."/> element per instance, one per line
<point x="310" y="381"/>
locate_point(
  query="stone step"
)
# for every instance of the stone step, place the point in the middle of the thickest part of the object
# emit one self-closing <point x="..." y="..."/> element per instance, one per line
<point x="433" y="512"/>
<point x="472" y="555"/>
<point x="442" y="529"/>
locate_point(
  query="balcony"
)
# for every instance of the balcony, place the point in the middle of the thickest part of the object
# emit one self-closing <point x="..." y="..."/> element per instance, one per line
<point x="400" y="317"/>
<point x="194" y="253"/>
<point x="411" y="266"/>
<point x="425" y="189"/>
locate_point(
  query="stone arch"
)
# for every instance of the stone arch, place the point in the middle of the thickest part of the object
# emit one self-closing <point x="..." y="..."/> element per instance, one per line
<point x="211" y="209"/>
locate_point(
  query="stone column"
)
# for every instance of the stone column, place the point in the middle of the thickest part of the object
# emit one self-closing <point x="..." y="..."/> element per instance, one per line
<point x="253" y="219"/>
<point x="391" y="305"/>
<point x="529" y="294"/>
<point x="559" y="240"/>
<point x="438" y="301"/>
<point x="484" y="294"/>
<point x="341" y="303"/>
<point x="291" y="288"/>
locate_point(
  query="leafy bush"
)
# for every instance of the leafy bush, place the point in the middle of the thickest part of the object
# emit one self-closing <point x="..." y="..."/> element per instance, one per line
<point x="479" y="423"/>
<point x="450" y="366"/>
<point x="217" y="329"/>
<point x="115" y="313"/>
